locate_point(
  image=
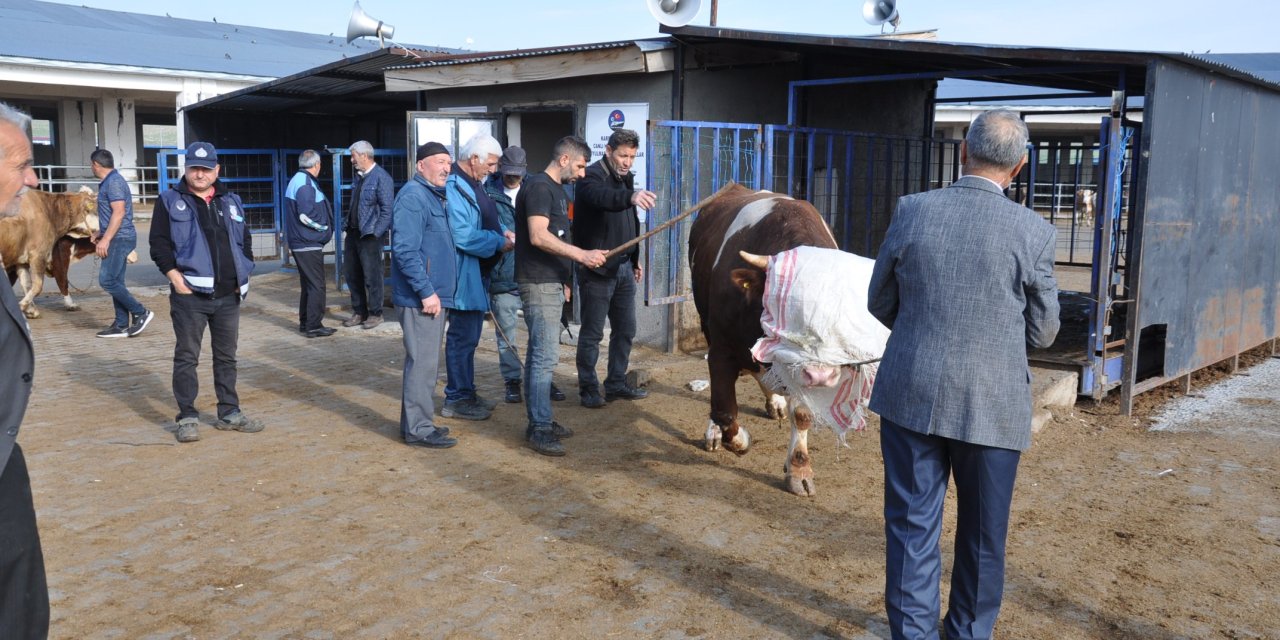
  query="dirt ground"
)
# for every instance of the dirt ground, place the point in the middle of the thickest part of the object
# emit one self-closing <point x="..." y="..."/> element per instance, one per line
<point x="326" y="526"/>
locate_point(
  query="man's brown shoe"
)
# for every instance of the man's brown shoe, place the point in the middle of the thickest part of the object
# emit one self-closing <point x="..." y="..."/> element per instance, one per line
<point x="372" y="322"/>
<point x="354" y="320"/>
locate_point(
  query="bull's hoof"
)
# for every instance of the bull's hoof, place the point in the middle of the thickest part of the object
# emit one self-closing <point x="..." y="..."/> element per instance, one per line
<point x="776" y="407"/>
<point x="800" y="482"/>
<point x="740" y="443"/>
<point x="69" y="305"/>
<point x="31" y="312"/>
<point x="713" y="436"/>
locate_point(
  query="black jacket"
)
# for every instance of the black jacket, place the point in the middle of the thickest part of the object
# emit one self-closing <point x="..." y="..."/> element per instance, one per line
<point x="603" y="216"/>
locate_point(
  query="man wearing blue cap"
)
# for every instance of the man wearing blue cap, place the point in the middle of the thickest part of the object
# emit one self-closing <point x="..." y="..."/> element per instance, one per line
<point x="199" y="240"/>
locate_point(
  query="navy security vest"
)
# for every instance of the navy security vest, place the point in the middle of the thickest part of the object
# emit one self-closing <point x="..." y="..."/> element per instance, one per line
<point x="191" y="247"/>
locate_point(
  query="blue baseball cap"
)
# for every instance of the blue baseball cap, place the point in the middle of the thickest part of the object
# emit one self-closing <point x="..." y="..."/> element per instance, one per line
<point x="202" y="154"/>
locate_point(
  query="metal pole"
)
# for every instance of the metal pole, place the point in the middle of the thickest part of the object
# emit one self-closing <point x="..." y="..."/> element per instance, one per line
<point x="715" y="8"/>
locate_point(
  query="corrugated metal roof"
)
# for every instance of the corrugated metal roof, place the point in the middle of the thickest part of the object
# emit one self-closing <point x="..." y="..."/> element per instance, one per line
<point x="488" y="56"/>
<point x="48" y="31"/>
<point x="1260" y="65"/>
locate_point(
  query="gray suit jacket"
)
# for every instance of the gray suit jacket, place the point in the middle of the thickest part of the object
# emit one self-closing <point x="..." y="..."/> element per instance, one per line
<point x="965" y="281"/>
<point x="17" y="365"/>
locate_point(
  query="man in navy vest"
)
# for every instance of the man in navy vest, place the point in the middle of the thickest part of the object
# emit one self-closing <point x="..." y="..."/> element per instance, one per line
<point x="24" y="595"/>
<point x="199" y="240"/>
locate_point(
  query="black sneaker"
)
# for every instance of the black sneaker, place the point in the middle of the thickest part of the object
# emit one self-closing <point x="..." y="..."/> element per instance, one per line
<point x="561" y="431"/>
<point x="513" y="392"/>
<point x="465" y="410"/>
<point x="140" y="323"/>
<point x="556" y="394"/>
<point x="484" y="403"/>
<point x="545" y="442"/>
<point x="626" y="393"/>
<point x="114" y="332"/>
<point x="437" y="440"/>
<point x="591" y="398"/>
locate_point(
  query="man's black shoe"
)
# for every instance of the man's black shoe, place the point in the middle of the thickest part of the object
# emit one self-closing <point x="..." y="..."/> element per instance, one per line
<point x="322" y="332"/>
<point x="437" y="440"/>
<point x="591" y="398"/>
<point x="513" y="392"/>
<point x="561" y="431"/>
<point x="545" y="442"/>
<point x="557" y="394"/>
<point x="626" y="393"/>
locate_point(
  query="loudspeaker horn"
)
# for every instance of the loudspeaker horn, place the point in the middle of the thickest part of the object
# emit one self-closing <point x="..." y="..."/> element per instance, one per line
<point x="881" y="11"/>
<point x="362" y="24"/>
<point x="673" y="13"/>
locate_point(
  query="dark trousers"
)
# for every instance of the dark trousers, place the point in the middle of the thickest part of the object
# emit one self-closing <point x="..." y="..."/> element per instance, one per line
<point x="613" y="298"/>
<point x="24" y="595"/>
<point x="364" y="273"/>
<point x="460" y="342"/>
<point x="190" y="315"/>
<point x="916" y="469"/>
<point x="311" y="278"/>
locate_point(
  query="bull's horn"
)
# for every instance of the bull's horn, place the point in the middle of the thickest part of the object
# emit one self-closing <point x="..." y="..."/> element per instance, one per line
<point x="755" y="260"/>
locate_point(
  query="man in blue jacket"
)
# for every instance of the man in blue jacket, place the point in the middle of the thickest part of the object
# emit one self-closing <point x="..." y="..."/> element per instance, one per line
<point x="308" y="220"/>
<point x="200" y="242"/>
<point x="480" y="241"/>
<point x="423" y="281"/>
<point x="368" y="219"/>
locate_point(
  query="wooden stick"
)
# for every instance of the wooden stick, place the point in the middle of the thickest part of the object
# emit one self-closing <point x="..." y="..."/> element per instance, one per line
<point x="664" y="226"/>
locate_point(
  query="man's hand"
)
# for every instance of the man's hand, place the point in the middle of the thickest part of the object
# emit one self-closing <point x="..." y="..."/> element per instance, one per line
<point x="644" y="199"/>
<point x="431" y="306"/>
<point x="103" y="245"/>
<point x="638" y="271"/>
<point x="568" y="293"/>
<point x="177" y="283"/>
<point x="592" y="258"/>
<point x="511" y="241"/>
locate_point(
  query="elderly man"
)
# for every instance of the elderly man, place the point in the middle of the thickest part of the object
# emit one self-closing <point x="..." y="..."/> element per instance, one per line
<point x="480" y="240"/>
<point x="116" y="239"/>
<point x="308" y="220"/>
<point x="953" y="392"/>
<point x="423" y="280"/>
<point x="24" y="596"/>
<point x="544" y="263"/>
<point x="368" y="219"/>
<point x="604" y="207"/>
<point x="200" y="242"/>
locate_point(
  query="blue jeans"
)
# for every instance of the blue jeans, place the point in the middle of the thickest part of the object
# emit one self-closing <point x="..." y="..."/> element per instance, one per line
<point x="504" y="307"/>
<point x="615" y="298"/>
<point x="916" y="469"/>
<point x="543" y="303"/>
<point x="111" y="279"/>
<point x="460" y="343"/>
<point x="190" y="314"/>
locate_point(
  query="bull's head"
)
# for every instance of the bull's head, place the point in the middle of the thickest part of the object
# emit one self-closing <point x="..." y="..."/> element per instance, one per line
<point x="85" y="205"/>
<point x="751" y="283"/>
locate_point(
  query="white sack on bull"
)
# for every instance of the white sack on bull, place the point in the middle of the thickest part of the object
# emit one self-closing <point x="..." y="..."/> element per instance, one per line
<point x="815" y="312"/>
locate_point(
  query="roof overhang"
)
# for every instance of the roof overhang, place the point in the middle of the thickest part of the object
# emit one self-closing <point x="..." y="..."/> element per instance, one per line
<point x="531" y="65"/>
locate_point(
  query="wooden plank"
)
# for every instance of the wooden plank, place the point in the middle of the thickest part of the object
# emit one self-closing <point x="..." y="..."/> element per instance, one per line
<point x="532" y="69"/>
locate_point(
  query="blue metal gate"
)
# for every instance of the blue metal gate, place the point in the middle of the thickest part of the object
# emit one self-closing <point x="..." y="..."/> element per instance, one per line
<point x="254" y="175"/>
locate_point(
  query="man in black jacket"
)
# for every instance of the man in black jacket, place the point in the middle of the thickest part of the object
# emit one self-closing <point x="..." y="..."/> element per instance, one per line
<point x="604" y="217"/>
<point x="200" y="241"/>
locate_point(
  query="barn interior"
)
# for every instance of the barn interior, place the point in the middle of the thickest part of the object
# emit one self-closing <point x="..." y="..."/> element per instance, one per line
<point x="1177" y="167"/>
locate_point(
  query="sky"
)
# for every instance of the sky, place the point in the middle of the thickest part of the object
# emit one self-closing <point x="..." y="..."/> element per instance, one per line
<point x="1186" y="26"/>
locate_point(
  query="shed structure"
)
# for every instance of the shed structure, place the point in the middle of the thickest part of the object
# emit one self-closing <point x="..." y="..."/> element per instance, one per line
<point x="1182" y="259"/>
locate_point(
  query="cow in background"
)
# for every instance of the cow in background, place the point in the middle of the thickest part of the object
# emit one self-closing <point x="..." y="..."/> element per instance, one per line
<point x="726" y="292"/>
<point x="1084" y="206"/>
<point x="27" y="240"/>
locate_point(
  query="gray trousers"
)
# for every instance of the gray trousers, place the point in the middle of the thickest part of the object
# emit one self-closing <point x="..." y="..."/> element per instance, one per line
<point x="423" y="335"/>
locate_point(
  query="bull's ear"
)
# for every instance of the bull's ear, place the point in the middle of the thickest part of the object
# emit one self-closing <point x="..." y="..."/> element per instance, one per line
<point x="749" y="281"/>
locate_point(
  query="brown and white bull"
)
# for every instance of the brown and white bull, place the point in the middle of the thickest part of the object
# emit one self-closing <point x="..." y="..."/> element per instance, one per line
<point x="27" y="240"/>
<point x="727" y="291"/>
<point x="1085" y="199"/>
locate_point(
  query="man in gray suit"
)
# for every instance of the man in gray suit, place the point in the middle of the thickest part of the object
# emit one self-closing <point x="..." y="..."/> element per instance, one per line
<point x="24" y="595"/>
<point x="965" y="281"/>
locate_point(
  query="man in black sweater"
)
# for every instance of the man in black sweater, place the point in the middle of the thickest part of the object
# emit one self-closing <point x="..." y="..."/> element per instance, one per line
<point x="604" y="217"/>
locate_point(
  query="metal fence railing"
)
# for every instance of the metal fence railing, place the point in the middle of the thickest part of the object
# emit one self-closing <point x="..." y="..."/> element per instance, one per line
<point x="144" y="182"/>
